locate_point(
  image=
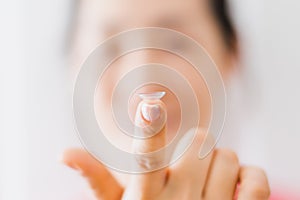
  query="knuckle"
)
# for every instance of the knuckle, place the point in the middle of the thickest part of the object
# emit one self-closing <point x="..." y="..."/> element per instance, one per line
<point x="229" y="155"/>
<point x="256" y="183"/>
<point x="149" y="162"/>
<point x="260" y="174"/>
<point x="259" y="191"/>
<point x="259" y="171"/>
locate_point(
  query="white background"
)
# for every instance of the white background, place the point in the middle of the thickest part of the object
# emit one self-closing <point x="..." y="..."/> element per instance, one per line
<point x="36" y="122"/>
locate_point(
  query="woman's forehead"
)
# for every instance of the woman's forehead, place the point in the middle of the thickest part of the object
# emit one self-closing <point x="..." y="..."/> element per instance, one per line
<point x="120" y="14"/>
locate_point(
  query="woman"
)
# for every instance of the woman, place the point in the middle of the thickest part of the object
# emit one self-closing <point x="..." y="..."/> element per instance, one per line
<point x="219" y="175"/>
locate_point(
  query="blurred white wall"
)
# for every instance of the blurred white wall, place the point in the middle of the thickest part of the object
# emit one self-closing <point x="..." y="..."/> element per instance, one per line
<point x="270" y="32"/>
<point x="48" y="101"/>
<point x="13" y="139"/>
<point x="36" y="116"/>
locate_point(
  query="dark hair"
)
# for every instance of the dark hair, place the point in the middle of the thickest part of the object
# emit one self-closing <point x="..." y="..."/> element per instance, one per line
<point x="220" y="11"/>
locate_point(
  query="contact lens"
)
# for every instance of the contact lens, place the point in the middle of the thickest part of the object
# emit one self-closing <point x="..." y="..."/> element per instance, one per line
<point x="152" y="96"/>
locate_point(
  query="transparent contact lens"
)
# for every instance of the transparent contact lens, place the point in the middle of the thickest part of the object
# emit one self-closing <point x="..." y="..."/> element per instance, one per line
<point x="152" y="96"/>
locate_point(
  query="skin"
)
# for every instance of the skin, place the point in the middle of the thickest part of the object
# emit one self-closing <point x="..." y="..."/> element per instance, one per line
<point x="219" y="175"/>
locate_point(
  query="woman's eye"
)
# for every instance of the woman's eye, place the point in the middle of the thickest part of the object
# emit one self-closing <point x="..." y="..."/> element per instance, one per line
<point x="177" y="45"/>
<point x="112" y="50"/>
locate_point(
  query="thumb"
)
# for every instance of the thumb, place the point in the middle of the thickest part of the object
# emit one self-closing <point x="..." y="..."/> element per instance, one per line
<point x="151" y="117"/>
<point x="101" y="181"/>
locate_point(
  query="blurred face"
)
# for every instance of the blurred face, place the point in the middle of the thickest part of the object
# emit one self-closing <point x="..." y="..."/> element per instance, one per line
<point x="98" y="19"/>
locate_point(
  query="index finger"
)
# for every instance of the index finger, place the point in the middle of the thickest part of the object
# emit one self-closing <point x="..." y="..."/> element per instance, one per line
<point x="151" y="117"/>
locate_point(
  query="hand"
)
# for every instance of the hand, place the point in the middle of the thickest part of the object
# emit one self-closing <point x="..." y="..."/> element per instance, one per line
<point x="218" y="176"/>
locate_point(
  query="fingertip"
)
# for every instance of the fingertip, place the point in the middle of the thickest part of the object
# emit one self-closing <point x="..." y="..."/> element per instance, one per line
<point x="67" y="157"/>
<point x="74" y="157"/>
<point x="151" y="113"/>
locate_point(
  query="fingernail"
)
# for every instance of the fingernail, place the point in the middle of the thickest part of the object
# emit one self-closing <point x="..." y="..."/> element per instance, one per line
<point x="150" y="112"/>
